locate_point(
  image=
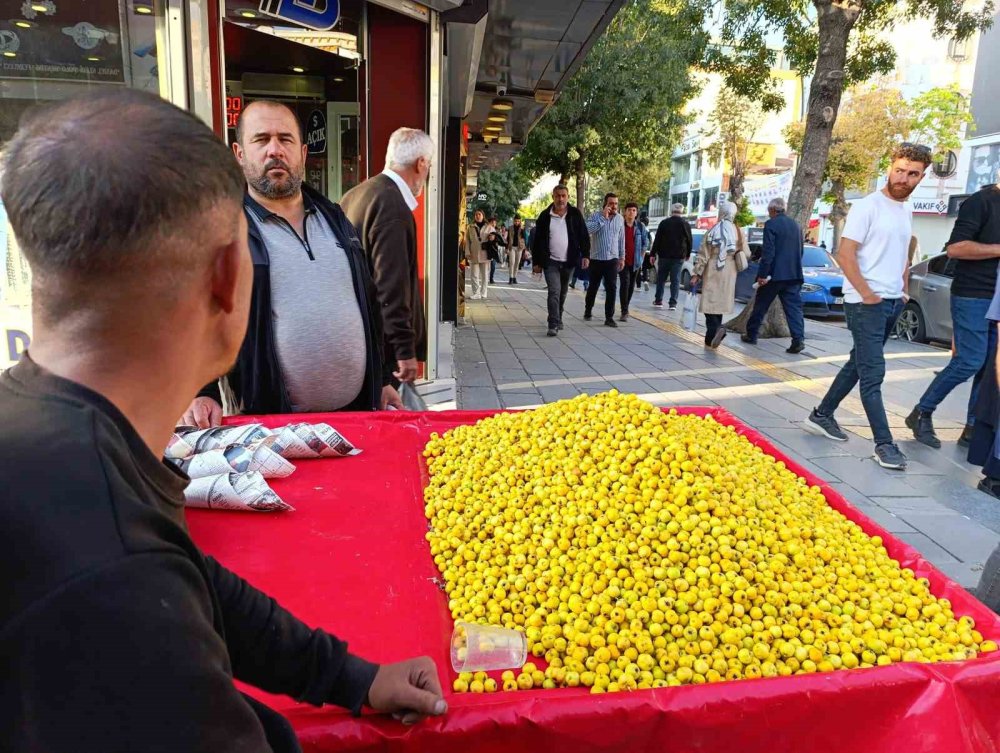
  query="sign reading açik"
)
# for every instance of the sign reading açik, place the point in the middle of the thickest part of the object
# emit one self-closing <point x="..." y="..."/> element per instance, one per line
<point x="321" y="15"/>
<point x="316" y="132"/>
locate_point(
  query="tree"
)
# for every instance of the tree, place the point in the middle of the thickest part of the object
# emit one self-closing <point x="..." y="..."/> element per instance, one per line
<point x="506" y="188"/>
<point x="623" y="108"/>
<point x="872" y="121"/>
<point x="940" y="118"/>
<point x="838" y="43"/>
<point x="733" y="124"/>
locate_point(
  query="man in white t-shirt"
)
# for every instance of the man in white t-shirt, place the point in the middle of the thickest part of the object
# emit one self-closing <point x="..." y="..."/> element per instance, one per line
<point x="874" y="254"/>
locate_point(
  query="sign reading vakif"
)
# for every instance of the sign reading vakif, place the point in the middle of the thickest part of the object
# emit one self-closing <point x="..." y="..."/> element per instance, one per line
<point x="320" y="15"/>
<point x="930" y="206"/>
<point x="316" y="132"/>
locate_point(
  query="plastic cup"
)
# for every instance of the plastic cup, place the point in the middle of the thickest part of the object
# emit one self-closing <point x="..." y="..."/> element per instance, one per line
<point x="483" y="648"/>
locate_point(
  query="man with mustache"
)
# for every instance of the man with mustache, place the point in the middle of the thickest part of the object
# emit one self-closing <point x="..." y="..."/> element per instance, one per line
<point x="314" y="341"/>
<point x="874" y="254"/>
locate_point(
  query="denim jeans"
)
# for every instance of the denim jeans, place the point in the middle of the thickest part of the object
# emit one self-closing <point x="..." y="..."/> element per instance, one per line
<point x="870" y="325"/>
<point x="791" y="301"/>
<point x="973" y="335"/>
<point x="608" y="272"/>
<point x="668" y="268"/>
<point x="557" y="281"/>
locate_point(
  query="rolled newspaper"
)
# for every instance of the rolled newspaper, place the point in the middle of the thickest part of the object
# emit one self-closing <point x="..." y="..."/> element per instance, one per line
<point x="237" y="458"/>
<point x="190" y="440"/>
<point x="234" y="491"/>
<point x="312" y="441"/>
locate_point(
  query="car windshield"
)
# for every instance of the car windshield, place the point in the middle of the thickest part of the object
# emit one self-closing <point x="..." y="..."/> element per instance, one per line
<point x="814" y="256"/>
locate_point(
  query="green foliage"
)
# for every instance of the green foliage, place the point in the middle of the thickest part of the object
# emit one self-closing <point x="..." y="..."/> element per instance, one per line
<point x="732" y="126"/>
<point x="506" y="188"/>
<point x="620" y="115"/>
<point x="533" y="209"/>
<point x="940" y="117"/>
<point x="745" y="217"/>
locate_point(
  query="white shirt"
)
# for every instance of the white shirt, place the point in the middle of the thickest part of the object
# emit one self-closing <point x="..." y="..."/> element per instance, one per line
<point x="882" y="226"/>
<point x="558" y="237"/>
<point x="408" y="197"/>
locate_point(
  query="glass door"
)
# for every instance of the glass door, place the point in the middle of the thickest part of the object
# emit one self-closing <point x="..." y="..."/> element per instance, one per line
<point x="344" y="158"/>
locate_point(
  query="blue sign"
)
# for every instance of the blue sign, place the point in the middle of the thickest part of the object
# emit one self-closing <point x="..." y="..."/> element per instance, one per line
<point x="316" y="132"/>
<point x="320" y="15"/>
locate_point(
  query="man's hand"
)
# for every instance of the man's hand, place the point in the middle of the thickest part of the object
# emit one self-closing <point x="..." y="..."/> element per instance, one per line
<point x="762" y="281"/>
<point x="871" y="299"/>
<point x="585" y="263"/>
<point x="203" y="412"/>
<point x="391" y="398"/>
<point x="621" y="264"/>
<point x="606" y="212"/>
<point x="536" y="270"/>
<point x="409" y="690"/>
<point x="695" y="279"/>
<point x="407" y="370"/>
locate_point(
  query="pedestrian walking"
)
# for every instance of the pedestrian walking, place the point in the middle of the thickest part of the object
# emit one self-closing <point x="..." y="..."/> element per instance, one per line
<point x="975" y="244"/>
<point x="516" y="248"/>
<point x="873" y="256"/>
<point x="984" y="449"/>
<point x="780" y="276"/>
<point x="493" y="244"/>
<point x="475" y="254"/>
<point x="607" y="258"/>
<point x="715" y="269"/>
<point x="636" y="244"/>
<point x="671" y="247"/>
<point x="381" y="210"/>
<point x="560" y="242"/>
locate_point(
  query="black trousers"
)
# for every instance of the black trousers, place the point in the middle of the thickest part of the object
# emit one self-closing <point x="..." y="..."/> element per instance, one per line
<point x="626" y="287"/>
<point x="608" y="272"/>
<point x="712" y="324"/>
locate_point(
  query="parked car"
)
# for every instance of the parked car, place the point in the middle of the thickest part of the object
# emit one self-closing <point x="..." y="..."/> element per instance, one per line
<point x="927" y="315"/>
<point x="687" y="271"/>
<point x="822" y="288"/>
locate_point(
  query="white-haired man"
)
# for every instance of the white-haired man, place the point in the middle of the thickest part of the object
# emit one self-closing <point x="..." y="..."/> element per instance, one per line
<point x="381" y="209"/>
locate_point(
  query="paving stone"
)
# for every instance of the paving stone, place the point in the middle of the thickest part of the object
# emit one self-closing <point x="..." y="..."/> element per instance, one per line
<point x="891" y="523"/>
<point x="965" y="574"/>
<point x="909" y="505"/>
<point x="931" y="551"/>
<point x="520" y="399"/>
<point x="956" y="533"/>
<point x="471" y="398"/>
<point x="552" y="394"/>
<point x="867" y="477"/>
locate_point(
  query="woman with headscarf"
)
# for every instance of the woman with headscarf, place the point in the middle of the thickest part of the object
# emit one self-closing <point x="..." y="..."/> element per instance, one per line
<point x="715" y="268"/>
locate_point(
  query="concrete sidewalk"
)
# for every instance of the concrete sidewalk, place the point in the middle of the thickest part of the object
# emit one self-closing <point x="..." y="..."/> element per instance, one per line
<point x="503" y="359"/>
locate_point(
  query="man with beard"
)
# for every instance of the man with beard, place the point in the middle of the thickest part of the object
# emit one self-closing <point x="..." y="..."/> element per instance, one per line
<point x="314" y="341"/>
<point x="874" y="256"/>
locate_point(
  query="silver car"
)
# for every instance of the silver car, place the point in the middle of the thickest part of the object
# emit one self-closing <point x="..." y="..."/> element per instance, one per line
<point x="927" y="315"/>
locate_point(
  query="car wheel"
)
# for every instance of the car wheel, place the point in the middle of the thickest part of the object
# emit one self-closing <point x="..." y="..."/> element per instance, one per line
<point x="685" y="279"/>
<point x="910" y="325"/>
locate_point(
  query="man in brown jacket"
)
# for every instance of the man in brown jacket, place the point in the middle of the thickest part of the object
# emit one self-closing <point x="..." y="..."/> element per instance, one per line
<point x="381" y="209"/>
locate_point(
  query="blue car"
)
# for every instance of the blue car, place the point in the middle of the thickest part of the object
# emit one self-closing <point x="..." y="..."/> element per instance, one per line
<point x="822" y="289"/>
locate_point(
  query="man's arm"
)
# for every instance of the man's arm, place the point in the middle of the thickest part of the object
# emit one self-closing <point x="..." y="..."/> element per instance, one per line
<point x="596" y="221"/>
<point x="963" y="243"/>
<point x="847" y="255"/>
<point x="689" y="237"/>
<point x="390" y="260"/>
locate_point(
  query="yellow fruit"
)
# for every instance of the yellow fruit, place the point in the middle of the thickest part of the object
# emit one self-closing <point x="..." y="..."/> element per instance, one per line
<point x="636" y="548"/>
<point x="460" y="686"/>
<point x="490" y="685"/>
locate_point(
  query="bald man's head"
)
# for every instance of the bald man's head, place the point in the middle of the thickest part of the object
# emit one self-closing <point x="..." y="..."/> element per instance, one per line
<point x="116" y="192"/>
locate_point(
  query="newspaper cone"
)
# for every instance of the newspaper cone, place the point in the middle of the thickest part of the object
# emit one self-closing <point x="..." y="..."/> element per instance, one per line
<point x="312" y="441"/>
<point x="234" y="491"/>
<point x="189" y="440"/>
<point x="237" y="458"/>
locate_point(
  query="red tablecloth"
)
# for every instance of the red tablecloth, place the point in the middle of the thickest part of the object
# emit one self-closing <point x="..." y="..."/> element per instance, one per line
<point x="352" y="558"/>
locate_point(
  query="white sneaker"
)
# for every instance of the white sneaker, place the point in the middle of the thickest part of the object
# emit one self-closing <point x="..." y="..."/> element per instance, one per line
<point x="645" y="286"/>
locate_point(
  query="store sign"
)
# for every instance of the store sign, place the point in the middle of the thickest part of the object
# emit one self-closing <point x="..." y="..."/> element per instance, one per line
<point x="760" y="191"/>
<point x="316" y="132"/>
<point x="82" y="43"/>
<point x="321" y="15"/>
<point x="930" y="206"/>
<point x="482" y="196"/>
<point x="234" y="106"/>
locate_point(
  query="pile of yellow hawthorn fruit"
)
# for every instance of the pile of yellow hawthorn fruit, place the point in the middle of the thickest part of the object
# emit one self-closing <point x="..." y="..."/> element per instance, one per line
<point x="643" y="549"/>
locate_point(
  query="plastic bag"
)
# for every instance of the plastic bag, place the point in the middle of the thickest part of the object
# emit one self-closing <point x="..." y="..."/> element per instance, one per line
<point x="412" y="400"/>
<point x="689" y="313"/>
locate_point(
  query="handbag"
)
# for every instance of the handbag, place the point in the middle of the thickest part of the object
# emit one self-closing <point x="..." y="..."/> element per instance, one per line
<point x="742" y="259"/>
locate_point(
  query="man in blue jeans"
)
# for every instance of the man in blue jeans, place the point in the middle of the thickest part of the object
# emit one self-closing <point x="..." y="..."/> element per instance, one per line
<point x="671" y="246"/>
<point x="874" y="255"/>
<point x="975" y="244"/>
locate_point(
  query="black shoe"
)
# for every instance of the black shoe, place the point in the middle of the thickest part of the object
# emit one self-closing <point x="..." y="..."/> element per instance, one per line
<point x="797" y="346"/>
<point x="889" y="456"/>
<point x="658" y="304"/>
<point x="573" y="287"/>
<point x="587" y="315"/>
<point x="551" y="332"/>
<point x="989" y="486"/>
<point x="826" y="426"/>
<point x="922" y="426"/>
<point x="492" y="283"/>
<point x="717" y="338"/>
<point x="610" y="323"/>
<point x="559" y="326"/>
<point x="966" y="439"/>
<point x="514" y="281"/>
<point x="749" y="340"/>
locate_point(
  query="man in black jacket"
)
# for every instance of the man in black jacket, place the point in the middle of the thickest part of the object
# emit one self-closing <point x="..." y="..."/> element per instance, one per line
<point x="560" y="241"/>
<point x="314" y="341"/>
<point x="671" y="246"/>
<point x="118" y="634"/>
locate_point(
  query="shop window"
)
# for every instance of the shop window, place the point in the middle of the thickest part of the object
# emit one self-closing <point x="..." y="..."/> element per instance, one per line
<point x="51" y="50"/>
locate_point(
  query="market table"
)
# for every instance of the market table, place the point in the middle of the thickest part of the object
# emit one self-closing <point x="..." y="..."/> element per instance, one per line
<point x="352" y="558"/>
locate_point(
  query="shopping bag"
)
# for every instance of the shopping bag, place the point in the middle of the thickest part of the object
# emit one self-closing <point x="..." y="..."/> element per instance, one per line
<point x="689" y="313"/>
<point x="412" y="400"/>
